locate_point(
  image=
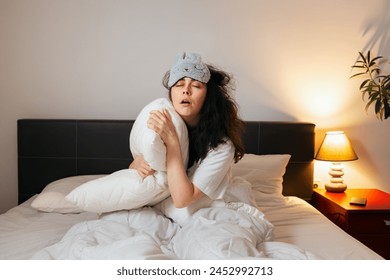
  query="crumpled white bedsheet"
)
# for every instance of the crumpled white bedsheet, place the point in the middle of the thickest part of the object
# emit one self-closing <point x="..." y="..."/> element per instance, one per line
<point x="228" y="231"/>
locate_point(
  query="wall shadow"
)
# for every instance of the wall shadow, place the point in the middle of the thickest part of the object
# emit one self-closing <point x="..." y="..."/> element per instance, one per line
<point x="377" y="27"/>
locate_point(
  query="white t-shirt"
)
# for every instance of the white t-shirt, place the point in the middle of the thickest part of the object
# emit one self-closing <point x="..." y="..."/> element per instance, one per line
<point x="212" y="176"/>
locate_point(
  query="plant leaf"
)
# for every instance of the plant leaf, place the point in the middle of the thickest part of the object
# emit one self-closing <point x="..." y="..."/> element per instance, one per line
<point x="377" y="70"/>
<point x="358" y="74"/>
<point x="387" y="108"/>
<point x="359" y="66"/>
<point x="364" y="83"/>
<point x="364" y="60"/>
<point x="378" y="106"/>
<point x="369" y="104"/>
<point x="376" y="58"/>
<point x="376" y="87"/>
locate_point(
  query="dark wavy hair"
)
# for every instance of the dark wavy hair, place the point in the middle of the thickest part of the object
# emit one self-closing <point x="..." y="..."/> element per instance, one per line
<point x="219" y="118"/>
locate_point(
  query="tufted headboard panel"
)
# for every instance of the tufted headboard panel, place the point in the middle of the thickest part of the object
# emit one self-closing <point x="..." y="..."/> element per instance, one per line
<point x="50" y="149"/>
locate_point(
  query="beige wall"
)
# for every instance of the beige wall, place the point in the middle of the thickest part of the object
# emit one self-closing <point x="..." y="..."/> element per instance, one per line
<point x="105" y="59"/>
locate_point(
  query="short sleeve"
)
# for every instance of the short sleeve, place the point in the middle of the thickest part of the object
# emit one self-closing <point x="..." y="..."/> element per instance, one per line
<point x="213" y="174"/>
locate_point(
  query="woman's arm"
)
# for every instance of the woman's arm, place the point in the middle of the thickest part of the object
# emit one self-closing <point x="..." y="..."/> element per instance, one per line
<point x="182" y="190"/>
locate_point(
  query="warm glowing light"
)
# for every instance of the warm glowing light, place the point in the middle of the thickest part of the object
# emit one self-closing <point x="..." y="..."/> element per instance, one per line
<point x="321" y="101"/>
<point x="336" y="148"/>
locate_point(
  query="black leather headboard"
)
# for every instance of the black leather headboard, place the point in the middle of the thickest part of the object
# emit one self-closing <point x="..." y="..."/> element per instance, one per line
<point x="50" y="149"/>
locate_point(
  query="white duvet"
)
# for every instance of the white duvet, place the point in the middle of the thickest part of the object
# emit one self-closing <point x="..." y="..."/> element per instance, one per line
<point x="223" y="231"/>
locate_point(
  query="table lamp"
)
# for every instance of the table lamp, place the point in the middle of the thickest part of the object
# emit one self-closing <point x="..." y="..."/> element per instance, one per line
<point x="336" y="148"/>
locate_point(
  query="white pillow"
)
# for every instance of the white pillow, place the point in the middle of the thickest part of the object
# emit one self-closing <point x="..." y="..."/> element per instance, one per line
<point x="146" y="142"/>
<point x="264" y="172"/>
<point x="52" y="197"/>
<point x="120" y="190"/>
<point x="240" y="190"/>
<point x="124" y="189"/>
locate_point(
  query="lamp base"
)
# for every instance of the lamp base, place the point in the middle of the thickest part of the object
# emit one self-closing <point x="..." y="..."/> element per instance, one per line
<point x="336" y="187"/>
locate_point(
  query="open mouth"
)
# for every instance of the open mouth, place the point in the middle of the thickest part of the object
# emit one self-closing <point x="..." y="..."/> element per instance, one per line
<point x="185" y="101"/>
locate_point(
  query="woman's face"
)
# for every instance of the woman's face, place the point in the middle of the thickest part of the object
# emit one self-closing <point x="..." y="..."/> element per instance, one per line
<point x="187" y="97"/>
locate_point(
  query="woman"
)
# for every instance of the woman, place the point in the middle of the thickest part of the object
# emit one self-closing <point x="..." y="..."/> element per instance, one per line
<point x="200" y="94"/>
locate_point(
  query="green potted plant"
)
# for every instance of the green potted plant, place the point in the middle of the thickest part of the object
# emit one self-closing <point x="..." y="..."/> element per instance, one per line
<point x="375" y="87"/>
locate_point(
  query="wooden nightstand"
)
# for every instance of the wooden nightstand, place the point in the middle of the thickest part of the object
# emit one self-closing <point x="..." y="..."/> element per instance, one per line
<point x="370" y="224"/>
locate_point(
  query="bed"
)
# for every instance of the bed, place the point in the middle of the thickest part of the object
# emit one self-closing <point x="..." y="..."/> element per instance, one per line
<point x="271" y="219"/>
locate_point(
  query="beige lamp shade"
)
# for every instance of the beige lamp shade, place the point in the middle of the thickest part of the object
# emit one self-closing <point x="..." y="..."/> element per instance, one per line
<point x="336" y="147"/>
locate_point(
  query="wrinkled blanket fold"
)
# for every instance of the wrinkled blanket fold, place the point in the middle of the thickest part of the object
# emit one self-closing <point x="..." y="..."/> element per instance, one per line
<point x="228" y="231"/>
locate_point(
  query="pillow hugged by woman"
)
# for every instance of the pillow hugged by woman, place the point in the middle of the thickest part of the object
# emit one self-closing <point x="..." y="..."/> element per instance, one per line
<point x="201" y="94"/>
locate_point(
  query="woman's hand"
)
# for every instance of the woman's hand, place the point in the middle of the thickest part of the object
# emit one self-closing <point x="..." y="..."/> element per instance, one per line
<point x="161" y="123"/>
<point x="142" y="167"/>
<point x="182" y="190"/>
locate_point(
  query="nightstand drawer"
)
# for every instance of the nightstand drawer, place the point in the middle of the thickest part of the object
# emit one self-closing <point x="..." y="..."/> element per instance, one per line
<point x="369" y="223"/>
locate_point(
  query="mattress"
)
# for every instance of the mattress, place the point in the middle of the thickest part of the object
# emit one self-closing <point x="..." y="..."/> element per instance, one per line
<point x="298" y="231"/>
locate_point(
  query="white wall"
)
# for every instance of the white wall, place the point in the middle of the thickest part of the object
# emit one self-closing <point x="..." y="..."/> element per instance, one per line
<point x="105" y="59"/>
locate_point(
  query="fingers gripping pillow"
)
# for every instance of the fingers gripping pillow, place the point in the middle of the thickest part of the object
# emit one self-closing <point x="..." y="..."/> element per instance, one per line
<point x="146" y="142"/>
<point x="125" y="189"/>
